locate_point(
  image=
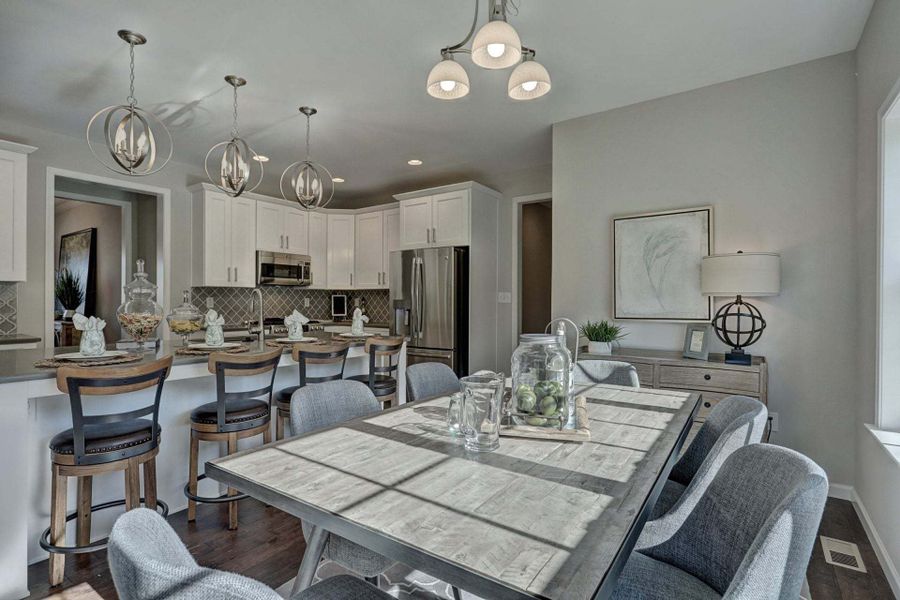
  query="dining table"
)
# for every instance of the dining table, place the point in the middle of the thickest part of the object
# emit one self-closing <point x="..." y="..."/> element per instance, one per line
<point x="536" y="518"/>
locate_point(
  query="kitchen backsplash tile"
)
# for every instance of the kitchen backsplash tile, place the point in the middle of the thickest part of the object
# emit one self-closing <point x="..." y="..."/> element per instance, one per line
<point x="234" y="303"/>
<point x="8" y="308"/>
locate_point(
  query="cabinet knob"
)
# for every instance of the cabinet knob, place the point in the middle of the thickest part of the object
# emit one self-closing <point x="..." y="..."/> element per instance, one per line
<point x="707" y="377"/>
<point x="707" y="404"/>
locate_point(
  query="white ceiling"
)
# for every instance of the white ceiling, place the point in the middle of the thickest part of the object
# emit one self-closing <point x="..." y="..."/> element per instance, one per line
<point x="363" y="63"/>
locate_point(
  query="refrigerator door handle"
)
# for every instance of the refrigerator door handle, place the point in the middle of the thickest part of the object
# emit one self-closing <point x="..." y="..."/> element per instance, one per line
<point x="420" y="297"/>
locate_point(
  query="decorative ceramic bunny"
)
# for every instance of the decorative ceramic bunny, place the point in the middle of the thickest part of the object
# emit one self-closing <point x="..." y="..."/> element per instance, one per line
<point x="92" y="341"/>
<point x="215" y="336"/>
<point x="295" y="322"/>
<point x="359" y="320"/>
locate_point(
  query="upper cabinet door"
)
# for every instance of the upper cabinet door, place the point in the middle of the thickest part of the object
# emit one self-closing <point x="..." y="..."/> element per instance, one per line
<point x="391" y="242"/>
<point x="296" y="230"/>
<point x="341" y="241"/>
<point x="217" y="267"/>
<point x="270" y="219"/>
<point x="450" y="219"/>
<point x="369" y="250"/>
<point x="243" y="246"/>
<point x="318" y="249"/>
<point x="415" y="223"/>
<point x="13" y="204"/>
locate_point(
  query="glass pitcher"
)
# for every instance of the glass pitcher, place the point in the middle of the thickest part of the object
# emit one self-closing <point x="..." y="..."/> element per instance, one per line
<point x="482" y="407"/>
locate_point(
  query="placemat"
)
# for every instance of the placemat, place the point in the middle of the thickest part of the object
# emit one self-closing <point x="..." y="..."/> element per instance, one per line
<point x="52" y="363"/>
<point x="201" y="351"/>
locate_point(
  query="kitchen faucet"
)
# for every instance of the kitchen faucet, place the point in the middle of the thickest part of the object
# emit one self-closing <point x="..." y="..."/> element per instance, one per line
<point x="262" y="330"/>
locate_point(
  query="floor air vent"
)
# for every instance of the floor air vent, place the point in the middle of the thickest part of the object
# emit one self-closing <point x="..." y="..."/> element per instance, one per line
<point x="842" y="554"/>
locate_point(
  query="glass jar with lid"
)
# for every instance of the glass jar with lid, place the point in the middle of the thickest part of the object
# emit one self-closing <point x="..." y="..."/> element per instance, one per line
<point x="185" y="319"/>
<point x="139" y="315"/>
<point x="541" y="381"/>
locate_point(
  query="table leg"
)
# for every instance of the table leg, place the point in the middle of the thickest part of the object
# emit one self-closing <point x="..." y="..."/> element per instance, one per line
<point x="315" y="546"/>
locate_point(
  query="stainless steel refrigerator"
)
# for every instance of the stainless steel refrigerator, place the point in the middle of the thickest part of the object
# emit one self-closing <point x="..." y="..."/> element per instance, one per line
<point x="430" y="302"/>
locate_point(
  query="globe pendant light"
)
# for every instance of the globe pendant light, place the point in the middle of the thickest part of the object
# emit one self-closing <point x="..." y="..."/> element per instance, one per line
<point x="131" y="134"/>
<point x="448" y="80"/>
<point x="308" y="183"/>
<point x="497" y="44"/>
<point x="236" y="171"/>
<point x="529" y="80"/>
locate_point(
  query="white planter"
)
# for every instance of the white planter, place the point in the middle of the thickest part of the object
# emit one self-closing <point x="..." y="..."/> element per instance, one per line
<point x="599" y="347"/>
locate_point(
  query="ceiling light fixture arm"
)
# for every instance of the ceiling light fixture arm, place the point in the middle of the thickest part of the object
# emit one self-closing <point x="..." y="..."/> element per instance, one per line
<point x="458" y="48"/>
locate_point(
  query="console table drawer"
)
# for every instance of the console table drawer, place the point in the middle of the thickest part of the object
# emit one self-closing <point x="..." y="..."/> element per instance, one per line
<point x="708" y="401"/>
<point x="698" y="377"/>
<point x="645" y="373"/>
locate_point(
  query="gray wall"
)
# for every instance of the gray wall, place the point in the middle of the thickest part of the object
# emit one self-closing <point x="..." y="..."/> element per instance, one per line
<point x="775" y="155"/>
<point x="877" y="474"/>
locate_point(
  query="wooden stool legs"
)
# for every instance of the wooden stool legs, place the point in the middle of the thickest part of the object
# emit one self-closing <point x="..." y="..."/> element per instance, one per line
<point x="192" y="475"/>
<point x="57" y="525"/>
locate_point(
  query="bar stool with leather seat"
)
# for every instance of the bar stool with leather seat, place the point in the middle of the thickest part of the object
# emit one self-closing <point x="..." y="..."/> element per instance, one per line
<point x="231" y="417"/>
<point x="384" y="355"/>
<point x="309" y="354"/>
<point x="98" y="444"/>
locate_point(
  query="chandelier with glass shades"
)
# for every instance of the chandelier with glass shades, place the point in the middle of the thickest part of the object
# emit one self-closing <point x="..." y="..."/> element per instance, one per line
<point x="236" y="171"/>
<point x="135" y="138"/>
<point x="495" y="46"/>
<point x="307" y="182"/>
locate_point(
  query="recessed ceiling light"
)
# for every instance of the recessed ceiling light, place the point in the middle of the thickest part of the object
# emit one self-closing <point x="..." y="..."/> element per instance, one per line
<point x="337" y="179"/>
<point x="414" y="162"/>
<point x="261" y="158"/>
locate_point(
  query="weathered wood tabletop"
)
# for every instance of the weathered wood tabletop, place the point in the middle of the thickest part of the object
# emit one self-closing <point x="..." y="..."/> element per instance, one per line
<point x="534" y="519"/>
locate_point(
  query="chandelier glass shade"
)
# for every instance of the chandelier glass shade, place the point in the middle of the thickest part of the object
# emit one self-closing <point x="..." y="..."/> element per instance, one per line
<point x="135" y="139"/>
<point x="496" y="46"/>
<point x="307" y="182"/>
<point x="448" y="80"/>
<point x="236" y="172"/>
<point x="529" y="80"/>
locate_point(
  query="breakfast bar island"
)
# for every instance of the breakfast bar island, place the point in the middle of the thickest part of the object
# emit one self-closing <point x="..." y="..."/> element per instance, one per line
<point x="32" y="411"/>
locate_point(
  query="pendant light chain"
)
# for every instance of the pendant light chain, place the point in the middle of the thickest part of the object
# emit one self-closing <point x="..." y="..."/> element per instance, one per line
<point x="307" y="137"/>
<point x="132" y="101"/>
<point x="234" y="124"/>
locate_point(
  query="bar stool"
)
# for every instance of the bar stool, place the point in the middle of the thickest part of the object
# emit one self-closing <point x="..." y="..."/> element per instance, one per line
<point x="313" y="354"/>
<point x="382" y="379"/>
<point x="232" y="417"/>
<point x="102" y="443"/>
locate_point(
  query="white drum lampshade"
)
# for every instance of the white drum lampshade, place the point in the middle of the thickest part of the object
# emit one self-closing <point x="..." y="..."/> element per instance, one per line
<point x="741" y="274"/>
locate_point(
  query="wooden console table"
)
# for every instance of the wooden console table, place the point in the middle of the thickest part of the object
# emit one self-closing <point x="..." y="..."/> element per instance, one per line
<point x="712" y="378"/>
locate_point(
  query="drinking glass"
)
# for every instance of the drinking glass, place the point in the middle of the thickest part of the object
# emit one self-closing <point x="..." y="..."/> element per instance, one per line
<point x="482" y="403"/>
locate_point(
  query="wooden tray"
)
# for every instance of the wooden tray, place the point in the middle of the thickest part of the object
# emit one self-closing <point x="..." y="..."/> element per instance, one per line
<point x="580" y="433"/>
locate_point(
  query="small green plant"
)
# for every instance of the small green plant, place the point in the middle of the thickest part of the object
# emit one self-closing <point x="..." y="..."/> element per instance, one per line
<point x="602" y="331"/>
<point x="68" y="290"/>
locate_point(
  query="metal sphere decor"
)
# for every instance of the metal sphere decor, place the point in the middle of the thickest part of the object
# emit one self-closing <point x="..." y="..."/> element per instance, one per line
<point x="305" y="181"/>
<point x="236" y="173"/>
<point x="738" y="324"/>
<point x="134" y="138"/>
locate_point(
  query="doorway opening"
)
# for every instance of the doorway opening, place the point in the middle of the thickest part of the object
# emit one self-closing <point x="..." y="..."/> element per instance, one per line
<point x="532" y="264"/>
<point x="97" y="228"/>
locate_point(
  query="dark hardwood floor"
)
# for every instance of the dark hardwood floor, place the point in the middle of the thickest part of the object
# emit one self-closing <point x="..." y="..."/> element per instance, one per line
<point x="269" y="545"/>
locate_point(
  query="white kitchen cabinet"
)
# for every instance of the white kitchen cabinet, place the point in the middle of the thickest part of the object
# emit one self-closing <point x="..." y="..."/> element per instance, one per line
<point x="318" y="249"/>
<point x="280" y="228"/>
<point x="340" y="254"/>
<point x="13" y="204"/>
<point x="369" y="268"/>
<point x="440" y="219"/>
<point x="391" y="242"/>
<point x="224" y="244"/>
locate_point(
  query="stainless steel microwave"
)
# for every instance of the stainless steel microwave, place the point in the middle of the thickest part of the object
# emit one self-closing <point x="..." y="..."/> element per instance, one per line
<point x="279" y="268"/>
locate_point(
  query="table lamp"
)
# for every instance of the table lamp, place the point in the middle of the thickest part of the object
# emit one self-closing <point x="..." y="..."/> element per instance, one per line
<point x="740" y="324"/>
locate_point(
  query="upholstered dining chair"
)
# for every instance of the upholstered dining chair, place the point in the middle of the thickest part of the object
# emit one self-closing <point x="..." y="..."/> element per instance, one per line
<point x="611" y="372"/>
<point x="732" y="423"/>
<point x="149" y="562"/>
<point x="749" y="534"/>
<point x="430" y="379"/>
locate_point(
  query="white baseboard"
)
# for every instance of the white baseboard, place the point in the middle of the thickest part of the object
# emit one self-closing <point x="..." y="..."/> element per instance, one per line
<point x="887" y="565"/>
<point x="841" y="491"/>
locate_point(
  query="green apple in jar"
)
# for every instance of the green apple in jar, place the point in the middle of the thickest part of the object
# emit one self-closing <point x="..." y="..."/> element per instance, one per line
<point x="525" y="398"/>
<point x="548" y="406"/>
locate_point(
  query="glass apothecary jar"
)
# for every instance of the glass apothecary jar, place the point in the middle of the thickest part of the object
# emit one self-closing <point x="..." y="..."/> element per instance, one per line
<point x="541" y="381"/>
<point x="185" y="319"/>
<point x="139" y="315"/>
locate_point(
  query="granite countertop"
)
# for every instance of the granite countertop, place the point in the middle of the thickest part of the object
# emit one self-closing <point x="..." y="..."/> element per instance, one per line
<point x="18" y="365"/>
<point x="19" y="338"/>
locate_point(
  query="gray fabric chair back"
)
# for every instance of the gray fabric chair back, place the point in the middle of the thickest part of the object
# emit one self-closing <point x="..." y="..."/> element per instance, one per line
<point x="322" y="405"/>
<point x="732" y="423"/>
<point x="752" y="531"/>
<point x="149" y="562"/>
<point x="611" y="372"/>
<point x="426" y="380"/>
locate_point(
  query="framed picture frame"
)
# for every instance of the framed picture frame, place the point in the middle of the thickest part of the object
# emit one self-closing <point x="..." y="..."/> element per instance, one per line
<point x="78" y="255"/>
<point x="656" y="265"/>
<point x="696" y="341"/>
